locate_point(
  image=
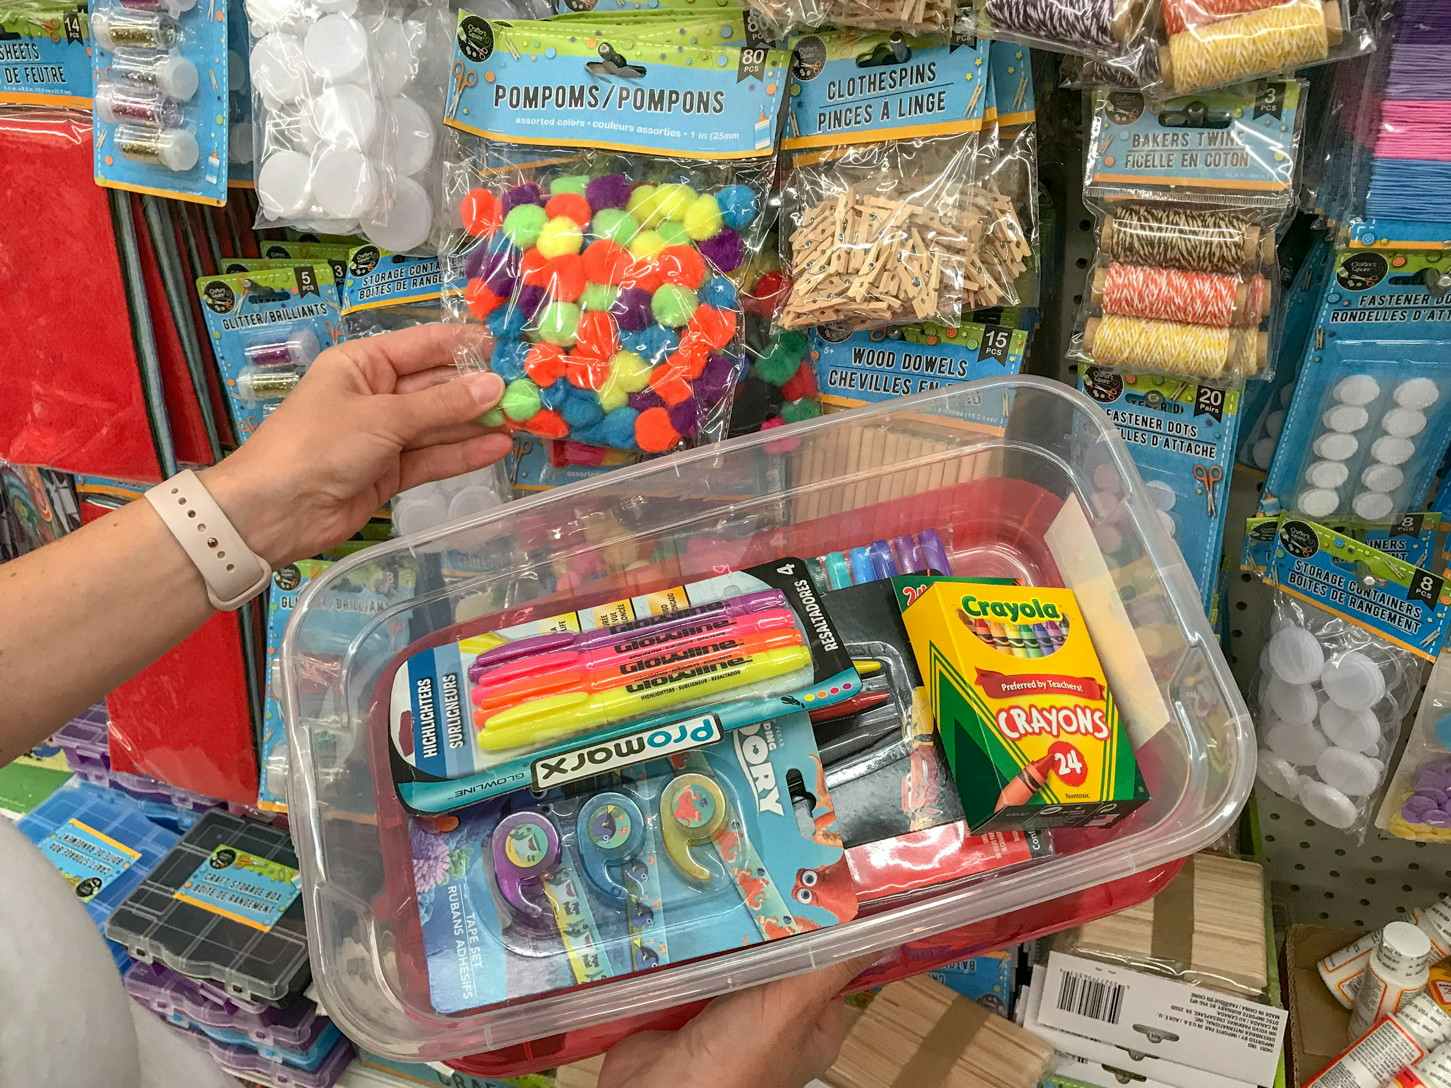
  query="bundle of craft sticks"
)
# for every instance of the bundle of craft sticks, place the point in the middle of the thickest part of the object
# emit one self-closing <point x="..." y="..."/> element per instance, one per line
<point x="1207" y="926"/>
<point x="919" y="1033"/>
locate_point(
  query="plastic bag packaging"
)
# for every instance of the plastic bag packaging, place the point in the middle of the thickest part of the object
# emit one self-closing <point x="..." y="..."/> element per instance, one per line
<point x="1206" y="927"/>
<point x="1417" y="804"/>
<point x="605" y="208"/>
<point x="345" y="101"/>
<point x="384" y="291"/>
<point x="884" y="227"/>
<point x="1188" y="195"/>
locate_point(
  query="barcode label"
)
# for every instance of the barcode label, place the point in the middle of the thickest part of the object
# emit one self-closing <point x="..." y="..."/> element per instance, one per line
<point x="1094" y="998"/>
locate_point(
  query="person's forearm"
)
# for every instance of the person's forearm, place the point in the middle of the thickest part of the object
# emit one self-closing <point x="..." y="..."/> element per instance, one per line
<point x="85" y="613"/>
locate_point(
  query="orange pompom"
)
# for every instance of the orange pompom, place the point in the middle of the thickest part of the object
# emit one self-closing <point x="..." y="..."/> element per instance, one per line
<point x="586" y="372"/>
<point x="480" y="212"/>
<point x="802" y="383"/>
<point x="606" y="262"/>
<point x="481" y="299"/>
<point x="669" y="383"/>
<point x="534" y="268"/>
<point x="572" y="205"/>
<point x="682" y="265"/>
<point x="597" y="338"/>
<point x="654" y="433"/>
<point x="566" y="278"/>
<point x="544" y="364"/>
<point x="714" y="325"/>
<point x="547" y="423"/>
<point x="644" y="274"/>
<point x="690" y="358"/>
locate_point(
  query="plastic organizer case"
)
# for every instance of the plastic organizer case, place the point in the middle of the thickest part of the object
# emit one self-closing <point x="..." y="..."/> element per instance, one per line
<point x="1048" y="496"/>
<point x="296" y="1027"/>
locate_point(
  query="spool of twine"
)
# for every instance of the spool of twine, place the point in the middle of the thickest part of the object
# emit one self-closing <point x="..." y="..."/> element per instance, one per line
<point x="1260" y="43"/>
<point x="1169" y="237"/>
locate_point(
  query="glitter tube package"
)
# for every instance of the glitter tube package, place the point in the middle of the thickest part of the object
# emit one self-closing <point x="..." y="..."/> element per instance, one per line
<point x="345" y="106"/>
<point x="1351" y="633"/>
<point x="609" y="189"/>
<point x="884" y="222"/>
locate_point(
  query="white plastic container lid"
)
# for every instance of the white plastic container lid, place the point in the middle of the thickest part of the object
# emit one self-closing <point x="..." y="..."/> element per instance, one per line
<point x="344" y="183"/>
<point x="1327" y="474"/>
<point x="1378" y="477"/>
<point x="1353" y="681"/>
<point x="336" y="48"/>
<point x="1403" y="422"/>
<point x="1327" y="804"/>
<point x="1358" y="389"/>
<point x="407" y="222"/>
<point x="394" y="53"/>
<point x="177" y="77"/>
<point x="1336" y="447"/>
<point x="1278" y="774"/>
<point x="1392" y="450"/>
<point x="284" y="187"/>
<point x="414" y="136"/>
<point x="177" y="148"/>
<point x="277" y="67"/>
<point x="1345" y="418"/>
<point x="265" y="16"/>
<point x="1295" y="655"/>
<point x="1417" y="393"/>
<point x="1352" y="773"/>
<point x="1355" y="729"/>
<point x="1318" y="502"/>
<point x="1372" y="505"/>
<point x="346" y="115"/>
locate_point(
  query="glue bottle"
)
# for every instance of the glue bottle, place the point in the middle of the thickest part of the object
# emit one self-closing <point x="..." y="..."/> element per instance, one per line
<point x="1397" y="970"/>
<point x="1341" y="970"/>
<point x="1406" y="1036"/>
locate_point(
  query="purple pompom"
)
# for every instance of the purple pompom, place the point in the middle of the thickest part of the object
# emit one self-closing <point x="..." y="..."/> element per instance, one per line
<point x="724" y="250"/>
<point x="610" y="191"/>
<point x="646" y="398"/>
<point x="528" y="193"/>
<point x="497" y="266"/>
<point x="719" y="373"/>
<point x="685" y="416"/>
<point x="530" y="298"/>
<point x="631" y="309"/>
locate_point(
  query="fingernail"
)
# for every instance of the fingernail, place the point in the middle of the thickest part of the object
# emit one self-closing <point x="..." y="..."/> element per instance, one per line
<point x="486" y="388"/>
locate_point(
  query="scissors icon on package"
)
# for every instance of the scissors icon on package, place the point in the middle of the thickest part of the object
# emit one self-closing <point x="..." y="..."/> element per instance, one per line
<point x="462" y="79"/>
<point x="1208" y="477"/>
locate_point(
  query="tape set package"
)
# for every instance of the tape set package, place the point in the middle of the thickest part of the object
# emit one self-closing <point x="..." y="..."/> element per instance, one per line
<point x="346" y="100"/>
<point x="1417" y="803"/>
<point x="1195" y="46"/>
<point x="1188" y="196"/>
<point x="883" y="217"/>
<point x="160" y="106"/>
<point x="44" y="54"/>
<point x="608" y="192"/>
<point x="1350" y="636"/>
<point x="266" y="329"/>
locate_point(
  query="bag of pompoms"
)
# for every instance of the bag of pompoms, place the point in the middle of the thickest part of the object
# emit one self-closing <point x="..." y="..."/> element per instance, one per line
<point x="883" y="220"/>
<point x="609" y="190"/>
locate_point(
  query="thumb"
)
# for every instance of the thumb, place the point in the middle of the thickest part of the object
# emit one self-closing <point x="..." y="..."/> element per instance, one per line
<point x="463" y="400"/>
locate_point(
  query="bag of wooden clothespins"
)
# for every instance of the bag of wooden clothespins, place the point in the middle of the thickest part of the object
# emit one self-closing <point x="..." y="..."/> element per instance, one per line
<point x="1189" y="195"/>
<point x="785" y="17"/>
<point x="883" y="219"/>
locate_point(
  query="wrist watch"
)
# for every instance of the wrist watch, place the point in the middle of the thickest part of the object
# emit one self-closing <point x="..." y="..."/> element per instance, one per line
<point x="233" y="573"/>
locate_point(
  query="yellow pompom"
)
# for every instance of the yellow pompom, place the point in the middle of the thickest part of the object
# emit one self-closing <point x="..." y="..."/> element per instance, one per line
<point x="703" y="219"/>
<point x="612" y="396"/>
<point x="646" y="245"/>
<point x="674" y="200"/>
<point x="644" y="205"/>
<point x="629" y="371"/>
<point x="559" y="237"/>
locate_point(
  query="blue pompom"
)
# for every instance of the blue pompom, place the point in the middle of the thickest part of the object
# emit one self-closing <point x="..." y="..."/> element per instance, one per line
<point x="618" y="428"/>
<point x="738" y="206"/>
<point x="719" y="291"/>
<point x="593" y="435"/>
<point x="555" y="396"/>
<point x="652" y="343"/>
<point x="507" y="322"/>
<point x="580" y="409"/>
<point x="508" y="359"/>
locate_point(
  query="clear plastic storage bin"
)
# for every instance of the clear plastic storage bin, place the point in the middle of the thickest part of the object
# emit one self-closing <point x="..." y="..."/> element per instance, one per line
<point x="1021" y="477"/>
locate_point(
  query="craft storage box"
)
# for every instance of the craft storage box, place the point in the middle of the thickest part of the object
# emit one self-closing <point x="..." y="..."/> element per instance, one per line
<point x="1022" y="477"/>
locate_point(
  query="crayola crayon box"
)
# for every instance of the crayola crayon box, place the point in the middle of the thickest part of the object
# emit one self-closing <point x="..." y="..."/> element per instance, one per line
<point x="1029" y="727"/>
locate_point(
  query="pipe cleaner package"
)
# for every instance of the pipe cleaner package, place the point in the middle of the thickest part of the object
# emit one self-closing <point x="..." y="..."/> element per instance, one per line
<point x="266" y="329"/>
<point x="386" y="291"/>
<point x="1350" y="636"/>
<point x="1182" y="438"/>
<point x="345" y="115"/>
<point x="160" y="106"/>
<point x="44" y="55"/>
<point x="669" y="860"/>
<point x="883" y="217"/>
<point x="562" y="698"/>
<point x="1188" y="194"/>
<point x="608" y="188"/>
<point x="1417" y="804"/>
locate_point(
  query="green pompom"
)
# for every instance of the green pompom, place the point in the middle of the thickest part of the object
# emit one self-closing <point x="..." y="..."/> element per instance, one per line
<point x="776" y="367"/>
<point x="673" y="233"/>
<point x="797" y="410"/>
<point x="494" y="417"/>
<point x="598" y="296"/>
<point x="521" y="400"/>
<point x="673" y="305"/>
<point x="559" y="323"/>
<point x="793" y="343"/>
<point x="617" y="225"/>
<point x="523" y="224"/>
<point x="569" y="183"/>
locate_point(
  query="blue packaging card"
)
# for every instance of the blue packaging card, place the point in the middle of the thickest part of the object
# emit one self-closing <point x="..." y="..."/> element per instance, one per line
<point x="864" y="87"/>
<point x="1405" y="605"/>
<point x="45" y="54"/>
<point x="1012" y="83"/>
<point x="988" y="979"/>
<point x="241" y="165"/>
<point x="377" y="279"/>
<point x="1181" y="436"/>
<point x="705" y="24"/>
<point x="545" y="83"/>
<point x="249" y="310"/>
<point x="869" y="367"/>
<point x="1411" y="538"/>
<point x="155" y="144"/>
<point x="1243" y="138"/>
<point x="252" y="890"/>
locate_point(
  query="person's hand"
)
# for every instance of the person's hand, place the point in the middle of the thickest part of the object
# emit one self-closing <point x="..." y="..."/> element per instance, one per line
<point x="779" y="1035"/>
<point x="371" y="417"/>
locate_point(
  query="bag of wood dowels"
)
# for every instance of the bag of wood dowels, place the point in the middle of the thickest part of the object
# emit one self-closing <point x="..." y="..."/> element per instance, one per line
<point x="609" y="194"/>
<point x="882" y="221"/>
<point x="1207" y="927"/>
<point x="1189" y="195"/>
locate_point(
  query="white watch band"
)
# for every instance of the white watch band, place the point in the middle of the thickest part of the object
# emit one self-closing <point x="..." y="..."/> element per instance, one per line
<point x="232" y="572"/>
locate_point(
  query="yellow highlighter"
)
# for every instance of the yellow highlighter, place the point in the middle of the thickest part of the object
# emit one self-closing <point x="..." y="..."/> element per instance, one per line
<point x="552" y="717"/>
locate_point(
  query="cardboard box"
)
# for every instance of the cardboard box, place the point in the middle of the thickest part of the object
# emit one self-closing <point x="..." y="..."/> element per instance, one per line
<point x="1318" y="1023"/>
